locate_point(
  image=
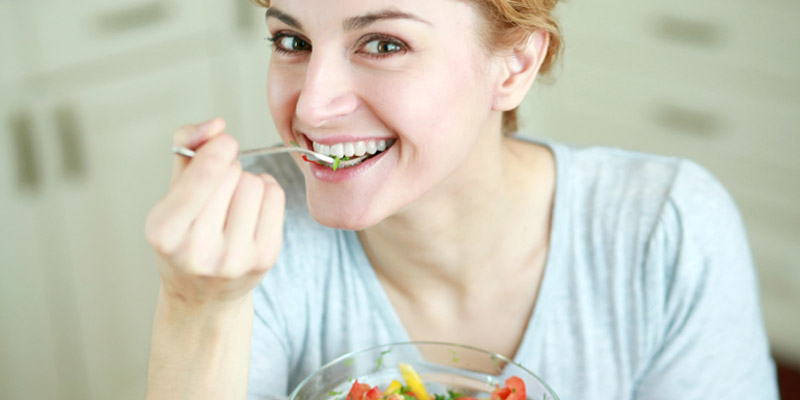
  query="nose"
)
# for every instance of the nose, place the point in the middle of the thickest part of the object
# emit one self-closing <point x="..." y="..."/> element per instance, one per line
<point x="327" y="93"/>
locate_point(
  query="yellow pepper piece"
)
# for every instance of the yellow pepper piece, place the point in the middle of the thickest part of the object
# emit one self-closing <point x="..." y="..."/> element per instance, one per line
<point x="414" y="382"/>
<point x="394" y="387"/>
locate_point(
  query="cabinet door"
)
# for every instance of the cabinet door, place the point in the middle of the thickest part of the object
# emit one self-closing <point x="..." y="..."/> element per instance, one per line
<point x="74" y="33"/>
<point x="114" y="163"/>
<point x="718" y="86"/>
<point x="241" y="63"/>
<point x="15" y="43"/>
<point x="28" y="368"/>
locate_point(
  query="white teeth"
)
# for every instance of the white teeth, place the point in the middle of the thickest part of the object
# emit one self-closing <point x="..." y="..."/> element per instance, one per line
<point x="337" y="150"/>
<point x="349" y="149"/>
<point x="361" y="148"/>
<point x="372" y="148"/>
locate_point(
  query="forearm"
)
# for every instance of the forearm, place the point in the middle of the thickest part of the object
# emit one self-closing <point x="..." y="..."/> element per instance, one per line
<point x="200" y="353"/>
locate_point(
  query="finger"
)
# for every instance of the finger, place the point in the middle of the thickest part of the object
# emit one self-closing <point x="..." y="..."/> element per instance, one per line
<point x="269" y="232"/>
<point x="212" y="218"/>
<point x="201" y="178"/>
<point x="240" y="228"/>
<point x="192" y="137"/>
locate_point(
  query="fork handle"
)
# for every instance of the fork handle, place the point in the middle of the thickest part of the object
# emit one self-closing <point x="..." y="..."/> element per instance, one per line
<point x="186" y="152"/>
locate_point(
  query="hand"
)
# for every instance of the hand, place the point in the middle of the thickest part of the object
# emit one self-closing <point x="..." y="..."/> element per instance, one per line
<point x="219" y="229"/>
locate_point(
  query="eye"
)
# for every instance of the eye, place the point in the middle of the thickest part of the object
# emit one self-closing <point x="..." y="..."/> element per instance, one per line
<point x="383" y="46"/>
<point x="289" y="43"/>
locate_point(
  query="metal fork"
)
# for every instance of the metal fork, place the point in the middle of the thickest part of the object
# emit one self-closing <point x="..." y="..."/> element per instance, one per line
<point x="186" y="152"/>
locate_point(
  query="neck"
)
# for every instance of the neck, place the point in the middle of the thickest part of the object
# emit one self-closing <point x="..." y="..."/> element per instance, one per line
<point x="489" y="217"/>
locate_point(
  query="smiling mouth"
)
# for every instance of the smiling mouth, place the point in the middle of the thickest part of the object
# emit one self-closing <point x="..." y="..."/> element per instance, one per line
<point x="349" y="154"/>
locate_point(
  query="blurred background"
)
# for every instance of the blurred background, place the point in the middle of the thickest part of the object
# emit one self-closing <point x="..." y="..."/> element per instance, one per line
<point x="91" y="92"/>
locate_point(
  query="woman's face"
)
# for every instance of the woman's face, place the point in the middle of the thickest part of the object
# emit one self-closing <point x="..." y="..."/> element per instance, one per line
<point x="348" y="75"/>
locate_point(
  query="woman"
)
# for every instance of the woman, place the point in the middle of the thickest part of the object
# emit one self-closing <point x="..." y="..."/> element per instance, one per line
<point x="611" y="274"/>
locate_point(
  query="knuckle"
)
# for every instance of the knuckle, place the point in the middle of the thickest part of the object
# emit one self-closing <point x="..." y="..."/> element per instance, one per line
<point x="227" y="145"/>
<point x="251" y="183"/>
<point x="265" y="257"/>
<point x="273" y="189"/>
<point x="270" y="180"/>
<point x="182" y="134"/>
<point x="201" y="250"/>
<point x="223" y="149"/>
<point x="157" y="233"/>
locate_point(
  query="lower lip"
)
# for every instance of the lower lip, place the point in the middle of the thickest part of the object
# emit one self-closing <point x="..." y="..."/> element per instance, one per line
<point x="327" y="174"/>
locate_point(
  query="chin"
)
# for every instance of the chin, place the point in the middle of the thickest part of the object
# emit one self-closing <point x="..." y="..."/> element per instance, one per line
<point x="355" y="221"/>
<point x="343" y="214"/>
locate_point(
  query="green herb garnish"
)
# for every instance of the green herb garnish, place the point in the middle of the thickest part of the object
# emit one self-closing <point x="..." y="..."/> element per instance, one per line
<point x="293" y="143"/>
<point x="379" y="363"/>
<point x="337" y="160"/>
<point x="335" y="393"/>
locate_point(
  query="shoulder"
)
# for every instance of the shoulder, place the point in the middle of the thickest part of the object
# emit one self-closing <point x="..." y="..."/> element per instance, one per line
<point x="632" y="187"/>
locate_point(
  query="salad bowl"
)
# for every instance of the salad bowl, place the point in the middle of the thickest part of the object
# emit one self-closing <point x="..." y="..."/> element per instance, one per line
<point x="445" y="371"/>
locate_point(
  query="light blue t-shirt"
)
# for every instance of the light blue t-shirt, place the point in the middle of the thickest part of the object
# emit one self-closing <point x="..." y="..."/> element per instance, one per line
<point x="649" y="290"/>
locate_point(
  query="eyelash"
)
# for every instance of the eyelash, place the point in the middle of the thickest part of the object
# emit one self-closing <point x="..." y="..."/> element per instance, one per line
<point x="276" y="38"/>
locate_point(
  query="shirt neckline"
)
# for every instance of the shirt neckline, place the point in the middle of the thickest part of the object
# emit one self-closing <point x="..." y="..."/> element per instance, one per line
<point x="550" y="276"/>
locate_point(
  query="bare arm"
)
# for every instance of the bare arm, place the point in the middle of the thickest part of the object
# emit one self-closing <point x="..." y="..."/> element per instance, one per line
<point x="216" y="232"/>
<point x="200" y="354"/>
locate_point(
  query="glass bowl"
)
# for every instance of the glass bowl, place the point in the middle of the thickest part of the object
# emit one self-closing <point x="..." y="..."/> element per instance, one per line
<point x="442" y="366"/>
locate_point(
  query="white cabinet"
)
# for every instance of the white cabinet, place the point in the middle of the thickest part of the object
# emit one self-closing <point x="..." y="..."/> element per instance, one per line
<point x="28" y="365"/>
<point x="79" y="281"/>
<point x="76" y="34"/>
<point x="14" y="57"/>
<point x="115" y="165"/>
<point x="90" y="95"/>
<point x="717" y="82"/>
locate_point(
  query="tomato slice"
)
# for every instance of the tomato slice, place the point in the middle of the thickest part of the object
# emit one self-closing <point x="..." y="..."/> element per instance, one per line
<point x="373" y="394"/>
<point x="517" y="387"/>
<point x="357" y="391"/>
<point x="500" y="393"/>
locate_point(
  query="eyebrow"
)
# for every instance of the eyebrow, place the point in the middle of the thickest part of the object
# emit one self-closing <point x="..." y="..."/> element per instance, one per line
<point x="364" y="20"/>
<point x="351" y="23"/>
<point x="283" y="17"/>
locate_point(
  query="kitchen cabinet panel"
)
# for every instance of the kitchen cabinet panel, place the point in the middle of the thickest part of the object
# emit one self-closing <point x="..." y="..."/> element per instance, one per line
<point x="729" y="103"/>
<point x="28" y="357"/>
<point x="13" y="37"/>
<point x="748" y="35"/>
<point x="72" y="34"/>
<point x="112" y="163"/>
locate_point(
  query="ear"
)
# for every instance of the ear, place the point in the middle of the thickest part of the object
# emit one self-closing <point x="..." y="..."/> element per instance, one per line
<point x="518" y="70"/>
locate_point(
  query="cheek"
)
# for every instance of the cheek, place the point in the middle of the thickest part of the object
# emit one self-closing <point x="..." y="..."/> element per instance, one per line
<point x="437" y="105"/>
<point x="282" y="94"/>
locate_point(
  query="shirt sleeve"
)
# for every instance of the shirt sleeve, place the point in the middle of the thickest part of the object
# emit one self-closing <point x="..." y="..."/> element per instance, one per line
<point x="712" y="343"/>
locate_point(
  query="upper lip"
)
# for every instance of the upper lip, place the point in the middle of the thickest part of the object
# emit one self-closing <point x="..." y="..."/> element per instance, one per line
<point x="330" y="139"/>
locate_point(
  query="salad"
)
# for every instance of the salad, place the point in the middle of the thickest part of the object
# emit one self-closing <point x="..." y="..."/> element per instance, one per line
<point x="414" y="389"/>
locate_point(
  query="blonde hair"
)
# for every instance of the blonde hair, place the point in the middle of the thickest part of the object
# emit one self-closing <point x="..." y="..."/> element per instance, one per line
<point x="509" y="23"/>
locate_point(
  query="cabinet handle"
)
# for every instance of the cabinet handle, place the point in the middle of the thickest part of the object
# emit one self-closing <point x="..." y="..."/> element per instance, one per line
<point x="72" y="155"/>
<point x="28" y="174"/>
<point x="132" y="18"/>
<point x="694" y="33"/>
<point x="687" y="120"/>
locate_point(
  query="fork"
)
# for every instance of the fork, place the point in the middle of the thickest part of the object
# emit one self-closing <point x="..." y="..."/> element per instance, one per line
<point x="186" y="152"/>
